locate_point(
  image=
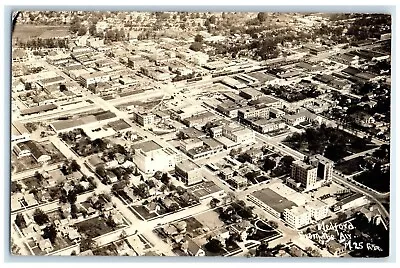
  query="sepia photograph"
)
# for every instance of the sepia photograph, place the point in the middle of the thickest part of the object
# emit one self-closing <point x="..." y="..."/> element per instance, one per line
<point x="175" y="133"/>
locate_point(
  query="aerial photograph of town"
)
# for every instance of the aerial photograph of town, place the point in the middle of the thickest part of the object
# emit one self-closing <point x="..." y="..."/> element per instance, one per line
<point x="230" y="134"/>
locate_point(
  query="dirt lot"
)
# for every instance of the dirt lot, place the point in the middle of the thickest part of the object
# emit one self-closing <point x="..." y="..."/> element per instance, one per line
<point x="210" y="219"/>
<point x="26" y="32"/>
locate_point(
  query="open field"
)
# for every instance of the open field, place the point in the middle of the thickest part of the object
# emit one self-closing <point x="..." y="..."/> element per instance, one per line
<point x="26" y="32"/>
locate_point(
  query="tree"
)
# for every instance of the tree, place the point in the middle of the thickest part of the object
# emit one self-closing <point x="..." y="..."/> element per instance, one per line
<point x="196" y="46"/>
<point x="214" y="202"/>
<point x="74" y="166"/>
<point x="263" y="250"/>
<point x="341" y="217"/>
<point x="262" y="16"/>
<point x="165" y="179"/>
<point x="72" y="197"/>
<point x="15" y="187"/>
<point x="92" y="29"/>
<point x="269" y="164"/>
<point x="199" y="38"/>
<point x="75" y="25"/>
<point x="273" y="224"/>
<point x="50" y="232"/>
<point x="86" y="244"/>
<point x="40" y="217"/>
<point x="213" y="19"/>
<point x="287" y="160"/>
<point x="174" y="207"/>
<point x="20" y="221"/>
<point x="82" y="30"/>
<point x="214" y="246"/>
<point x="100" y="170"/>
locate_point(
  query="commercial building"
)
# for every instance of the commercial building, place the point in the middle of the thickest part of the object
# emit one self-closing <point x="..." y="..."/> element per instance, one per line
<point x="229" y="109"/>
<point x="318" y="209"/>
<point x="144" y="119"/>
<point x="238" y="182"/>
<point x="271" y="201"/>
<point x="189" y="172"/>
<point x="33" y="148"/>
<point x="297" y="217"/>
<point x="238" y="134"/>
<point x="151" y="157"/>
<point x="19" y="132"/>
<point x="324" y="167"/>
<point x="198" y="120"/>
<point x="250" y="93"/>
<point x="92" y="78"/>
<point x="268" y="125"/>
<point x="198" y="148"/>
<point x="304" y="173"/>
<point x="258" y="111"/>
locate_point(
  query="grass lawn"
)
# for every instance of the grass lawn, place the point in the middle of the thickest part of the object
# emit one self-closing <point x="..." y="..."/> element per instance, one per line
<point x="143" y="212"/>
<point x="94" y="227"/>
<point x="23" y="163"/>
<point x="351" y="166"/>
<point x="31" y="182"/>
<point x="192" y="224"/>
<point x="263" y="231"/>
<point x="333" y="143"/>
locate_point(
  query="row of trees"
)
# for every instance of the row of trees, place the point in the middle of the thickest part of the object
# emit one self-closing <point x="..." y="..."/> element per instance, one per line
<point x="37" y="43"/>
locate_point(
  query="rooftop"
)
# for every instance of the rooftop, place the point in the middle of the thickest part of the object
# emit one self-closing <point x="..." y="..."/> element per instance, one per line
<point x="147" y="146"/>
<point x="274" y="200"/>
<point x="298" y="211"/>
<point x="187" y="165"/>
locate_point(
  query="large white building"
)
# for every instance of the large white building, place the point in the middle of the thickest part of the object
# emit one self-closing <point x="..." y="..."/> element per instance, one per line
<point x="151" y="157"/>
<point x="304" y="173"/>
<point x="92" y="78"/>
<point x="238" y="134"/>
<point x="318" y="209"/>
<point x="297" y="217"/>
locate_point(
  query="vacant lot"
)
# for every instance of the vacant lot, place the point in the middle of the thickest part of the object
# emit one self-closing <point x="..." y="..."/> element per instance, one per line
<point x="210" y="219"/>
<point x="26" y="32"/>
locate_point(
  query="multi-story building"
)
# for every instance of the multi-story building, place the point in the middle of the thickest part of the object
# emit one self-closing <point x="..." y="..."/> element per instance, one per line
<point x="297" y="217"/>
<point x="144" y="119"/>
<point x="151" y="157"/>
<point x="324" y="167"/>
<point x="189" y="172"/>
<point x="318" y="209"/>
<point x="228" y="108"/>
<point x="258" y="111"/>
<point x="304" y="173"/>
<point x="92" y="78"/>
<point x="238" y="134"/>
<point x="268" y="125"/>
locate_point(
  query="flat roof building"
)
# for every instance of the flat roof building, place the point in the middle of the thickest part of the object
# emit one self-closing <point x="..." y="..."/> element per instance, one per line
<point x="189" y="172"/>
<point x="151" y="157"/>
